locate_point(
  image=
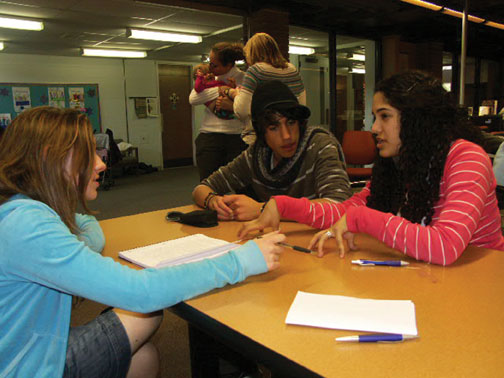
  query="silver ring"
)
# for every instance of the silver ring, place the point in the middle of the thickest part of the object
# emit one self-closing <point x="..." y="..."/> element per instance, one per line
<point x="329" y="234"/>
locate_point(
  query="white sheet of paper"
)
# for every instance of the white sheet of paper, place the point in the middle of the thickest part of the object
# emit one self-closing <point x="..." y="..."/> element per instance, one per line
<point x="339" y="312"/>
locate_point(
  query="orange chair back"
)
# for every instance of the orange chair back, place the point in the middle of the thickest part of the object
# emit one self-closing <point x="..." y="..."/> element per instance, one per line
<point x="359" y="147"/>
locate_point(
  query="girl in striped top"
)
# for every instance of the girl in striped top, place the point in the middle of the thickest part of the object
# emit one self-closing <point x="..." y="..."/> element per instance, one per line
<point x="266" y="63"/>
<point x="432" y="190"/>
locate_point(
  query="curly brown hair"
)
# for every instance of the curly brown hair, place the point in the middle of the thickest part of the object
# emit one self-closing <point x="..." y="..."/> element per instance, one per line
<point x="430" y="122"/>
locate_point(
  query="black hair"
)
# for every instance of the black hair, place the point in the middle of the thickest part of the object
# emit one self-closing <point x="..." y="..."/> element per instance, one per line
<point x="272" y="115"/>
<point x="430" y="122"/>
<point x="228" y="53"/>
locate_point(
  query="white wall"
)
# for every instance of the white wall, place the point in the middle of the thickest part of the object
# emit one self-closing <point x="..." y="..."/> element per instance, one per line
<point x="107" y="73"/>
<point x="141" y="80"/>
<point x="117" y="80"/>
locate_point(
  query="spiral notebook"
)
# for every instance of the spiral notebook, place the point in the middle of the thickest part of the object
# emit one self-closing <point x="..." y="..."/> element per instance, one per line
<point x="177" y="251"/>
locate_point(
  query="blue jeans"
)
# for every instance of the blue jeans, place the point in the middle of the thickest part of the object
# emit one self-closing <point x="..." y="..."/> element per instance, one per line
<point x="99" y="348"/>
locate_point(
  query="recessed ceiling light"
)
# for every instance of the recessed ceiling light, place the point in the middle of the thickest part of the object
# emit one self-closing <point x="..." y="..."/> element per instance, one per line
<point x="1" y="46"/>
<point x="163" y="36"/>
<point x="114" y="53"/>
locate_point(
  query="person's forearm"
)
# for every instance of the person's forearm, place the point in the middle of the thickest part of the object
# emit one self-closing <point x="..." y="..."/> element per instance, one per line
<point x="241" y="104"/>
<point x="302" y="98"/>
<point x="200" y="193"/>
<point x="90" y="232"/>
<point x="202" y="98"/>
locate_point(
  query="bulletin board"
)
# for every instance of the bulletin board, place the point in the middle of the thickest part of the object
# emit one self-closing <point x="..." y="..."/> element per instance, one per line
<point x="16" y="97"/>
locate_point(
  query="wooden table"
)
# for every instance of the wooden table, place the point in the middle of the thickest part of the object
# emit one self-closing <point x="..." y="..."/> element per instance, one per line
<point x="459" y="309"/>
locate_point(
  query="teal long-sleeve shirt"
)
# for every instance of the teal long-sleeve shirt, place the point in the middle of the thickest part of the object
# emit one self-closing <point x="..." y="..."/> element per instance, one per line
<point x="42" y="264"/>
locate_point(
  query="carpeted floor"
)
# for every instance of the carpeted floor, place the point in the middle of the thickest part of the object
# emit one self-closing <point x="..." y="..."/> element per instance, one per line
<point x="133" y="194"/>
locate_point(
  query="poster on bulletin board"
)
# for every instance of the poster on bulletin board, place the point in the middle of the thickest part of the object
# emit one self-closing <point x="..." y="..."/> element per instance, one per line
<point x="17" y="97"/>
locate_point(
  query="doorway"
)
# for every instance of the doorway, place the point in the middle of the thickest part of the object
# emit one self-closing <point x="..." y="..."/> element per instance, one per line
<point x="174" y="89"/>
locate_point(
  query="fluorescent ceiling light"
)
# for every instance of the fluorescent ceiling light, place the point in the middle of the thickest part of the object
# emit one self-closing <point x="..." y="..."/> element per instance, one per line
<point x="424" y="4"/>
<point x="359" y="57"/>
<point x="447" y="68"/>
<point x="114" y="53"/>
<point x="475" y="19"/>
<point x="163" y="36"/>
<point x="1" y="46"/>
<point x="495" y="25"/>
<point x="358" y="70"/>
<point x="454" y="13"/>
<point x="301" y="50"/>
<point x="16" y="23"/>
<point x="458" y="14"/>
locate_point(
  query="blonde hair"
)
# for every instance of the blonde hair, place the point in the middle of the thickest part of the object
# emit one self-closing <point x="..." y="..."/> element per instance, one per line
<point x="203" y="67"/>
<point x="34" y="154"/>
<point x="263" y="48"/>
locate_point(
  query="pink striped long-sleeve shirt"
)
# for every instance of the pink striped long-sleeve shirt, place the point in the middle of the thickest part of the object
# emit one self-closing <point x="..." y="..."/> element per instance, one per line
<point x="466" y="213"/>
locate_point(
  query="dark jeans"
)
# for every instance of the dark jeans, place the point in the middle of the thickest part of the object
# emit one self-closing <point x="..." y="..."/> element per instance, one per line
<point x="213" y="150"/>
<point x="99" y="348"/>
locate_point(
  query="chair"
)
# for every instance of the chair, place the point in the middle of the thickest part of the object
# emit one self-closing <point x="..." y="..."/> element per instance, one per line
<point x="103" y="151"/>
<point x="360" y="149"/>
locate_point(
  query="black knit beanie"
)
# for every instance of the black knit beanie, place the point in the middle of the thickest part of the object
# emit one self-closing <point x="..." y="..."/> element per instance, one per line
<point x="277" y="95"/>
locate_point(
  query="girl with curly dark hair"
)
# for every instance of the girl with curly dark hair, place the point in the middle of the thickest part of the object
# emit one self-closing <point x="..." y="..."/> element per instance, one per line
<point x="432" y="190"/>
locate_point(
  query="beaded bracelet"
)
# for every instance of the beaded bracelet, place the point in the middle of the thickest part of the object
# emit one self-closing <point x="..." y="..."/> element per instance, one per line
<point x="209" y="196"/>
<point x="263" y="206"/>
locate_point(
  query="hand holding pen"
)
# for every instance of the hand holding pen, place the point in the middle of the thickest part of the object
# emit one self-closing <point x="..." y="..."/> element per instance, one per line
<point x="270" y="248"/>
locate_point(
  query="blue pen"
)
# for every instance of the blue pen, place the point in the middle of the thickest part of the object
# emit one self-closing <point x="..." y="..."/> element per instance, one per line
<point x="376" y="338"/>
<point x="385" y="263"/>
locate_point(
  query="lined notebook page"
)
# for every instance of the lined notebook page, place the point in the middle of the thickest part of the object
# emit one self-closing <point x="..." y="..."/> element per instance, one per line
<point x="178" y="251"/>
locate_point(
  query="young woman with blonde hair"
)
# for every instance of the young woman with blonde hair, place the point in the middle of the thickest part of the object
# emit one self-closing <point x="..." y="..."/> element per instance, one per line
<point x="266" y="63"/>
<point x="49" y="253"/>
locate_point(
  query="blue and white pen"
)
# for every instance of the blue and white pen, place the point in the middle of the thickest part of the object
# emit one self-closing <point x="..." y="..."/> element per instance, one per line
<point x="385" y="263"/>
<point x="377" y="338"/>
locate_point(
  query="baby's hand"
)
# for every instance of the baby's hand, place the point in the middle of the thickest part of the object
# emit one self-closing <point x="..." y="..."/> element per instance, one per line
<point x="231" y="82"/>
<point x="209" y="76"/>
